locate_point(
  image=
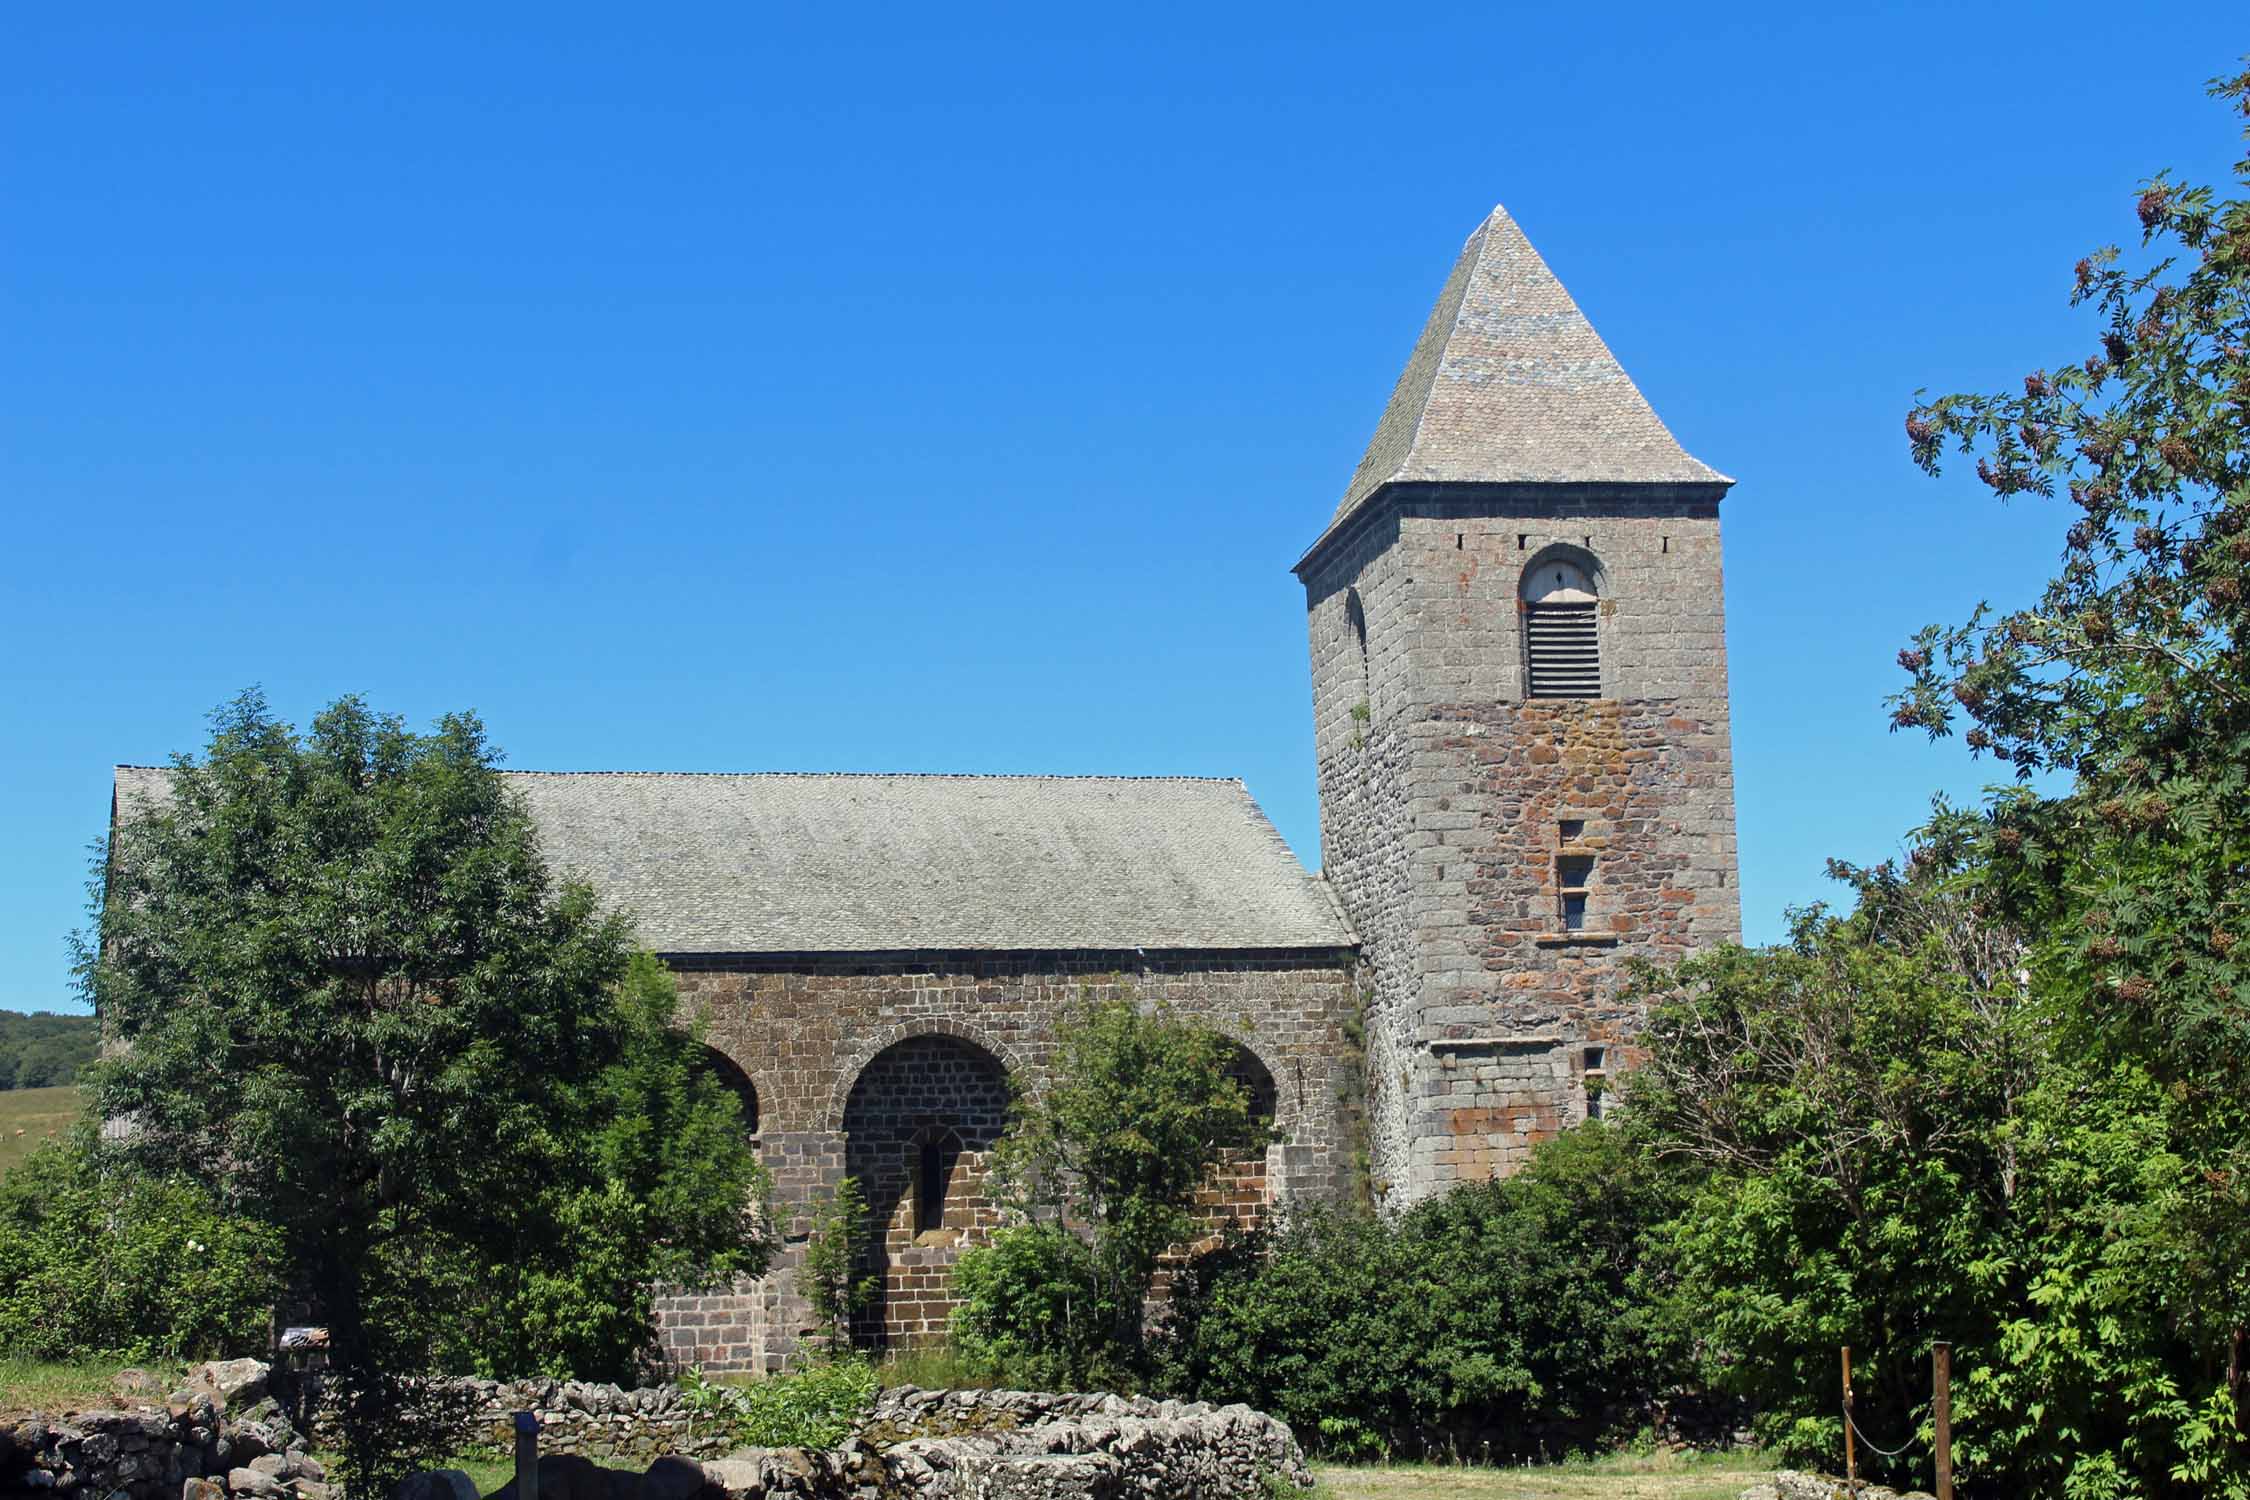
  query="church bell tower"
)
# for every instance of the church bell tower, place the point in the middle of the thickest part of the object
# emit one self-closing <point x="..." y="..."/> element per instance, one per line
<point x="1520" y="706"/>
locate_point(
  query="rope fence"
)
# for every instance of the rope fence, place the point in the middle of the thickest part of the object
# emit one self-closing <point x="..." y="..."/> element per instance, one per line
<point x="1941" y="1422"/>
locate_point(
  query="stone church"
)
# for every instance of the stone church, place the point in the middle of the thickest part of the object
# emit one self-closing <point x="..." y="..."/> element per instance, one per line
<point x="1520" y="700"/>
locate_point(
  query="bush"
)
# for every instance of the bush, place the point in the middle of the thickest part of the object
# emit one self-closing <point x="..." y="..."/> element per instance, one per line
<point x="1139" y="1107"/>
<point x="812" y="1408"/>
<point x="1897" y="1139"/>
<point x="99" y="1259"/>
<point x="1036" y="1314"/>
<point x="1505" y="1320"/>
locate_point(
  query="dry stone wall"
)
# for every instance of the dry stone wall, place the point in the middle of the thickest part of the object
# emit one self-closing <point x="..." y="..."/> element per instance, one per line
<point x="593" y="1421"/>
<point x="985" y="1445"/>
<point x="186" y="1451"/>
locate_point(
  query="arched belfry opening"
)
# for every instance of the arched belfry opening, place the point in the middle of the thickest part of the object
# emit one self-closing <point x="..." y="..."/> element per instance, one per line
<point x="919" y="1125"/>
<point x="1561" y="594"/>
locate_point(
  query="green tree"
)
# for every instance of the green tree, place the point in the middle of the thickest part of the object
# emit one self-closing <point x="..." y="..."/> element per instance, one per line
<point x="42" y="1050"/>
<point x="834" y="1275"/>
<point x="2129" y="676"/>
<point x="1140" y="1107"/>
<point x="1889" y="1144"/>
<point x="656" y="1198"/>
<point x="356" y="1008"/>
<point x="1035" y="1312"/>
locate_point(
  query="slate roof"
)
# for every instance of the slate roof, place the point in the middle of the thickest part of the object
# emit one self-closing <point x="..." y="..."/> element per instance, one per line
<point x="789" y="863"/>
<point x="1510" y="384"/>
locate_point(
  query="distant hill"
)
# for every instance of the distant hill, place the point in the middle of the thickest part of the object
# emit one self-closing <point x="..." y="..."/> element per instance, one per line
<point x="42" y="1050"/>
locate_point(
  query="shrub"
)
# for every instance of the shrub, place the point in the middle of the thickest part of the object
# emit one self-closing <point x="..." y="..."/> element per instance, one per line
<point x="1036" y="1313"/>
<point x="812" y="1408"/>
<point x="1139" y="1107"/>
<point x="1510" y="1319"/>
<point x="98" y="1258"/>
<point x="833" y="1276"/>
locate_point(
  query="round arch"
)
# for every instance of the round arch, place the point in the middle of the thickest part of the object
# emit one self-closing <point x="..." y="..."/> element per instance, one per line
<point x="1258" y="1083"/>
<point x="1548" y="576"/>
<point x="849" y="1070"/>
<point x="736" y="1080"/>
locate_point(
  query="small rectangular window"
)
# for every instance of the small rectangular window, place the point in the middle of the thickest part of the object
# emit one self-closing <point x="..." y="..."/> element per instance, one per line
<point x="1573" y="829"/>
<point x="1573" y="874"/>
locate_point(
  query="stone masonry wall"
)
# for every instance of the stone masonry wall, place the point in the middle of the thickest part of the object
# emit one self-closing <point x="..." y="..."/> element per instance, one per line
<point x="929" y="1102"/>
<point x="1447" y="806"/>
<point x="929" y="1034"/>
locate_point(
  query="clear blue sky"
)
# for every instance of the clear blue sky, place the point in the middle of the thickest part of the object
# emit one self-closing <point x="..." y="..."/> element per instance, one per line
<point x="950" y="388"/>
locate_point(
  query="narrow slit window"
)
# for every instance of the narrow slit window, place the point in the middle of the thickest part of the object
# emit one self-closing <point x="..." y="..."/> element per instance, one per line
<point x="1573" y="877"/>
<point x="1597" y="1080"/>
<point x="929" y="1187"/>
<point x="1562" y="634"/>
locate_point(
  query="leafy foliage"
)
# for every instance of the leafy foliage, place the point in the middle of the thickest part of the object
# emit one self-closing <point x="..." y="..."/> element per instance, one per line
<point x="42" y="1049"/>
<point x="1036" y="1309"/>
<point x="1891" y="1144"/>
<point x="1502" y="1320"/>
<point x="2130" y="676"/>
<point x="832" y="1274"/>
<point x="360" y="1013"/>
<point x="1140" y="1108"/>
<point x="812" y="1408"/>
<point x="661" y="1200"/>
<point x="97" y="1258"/>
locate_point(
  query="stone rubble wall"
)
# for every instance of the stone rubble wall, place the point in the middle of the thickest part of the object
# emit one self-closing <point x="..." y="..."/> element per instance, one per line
<point x="149" y="1454"/>
<point x="1792" y="1484"/>
<point x="1016" y="1445"/>
<point x="965" y="1445"/>
<point x="912" y="1445"/>
<point x="594" y="1421"/>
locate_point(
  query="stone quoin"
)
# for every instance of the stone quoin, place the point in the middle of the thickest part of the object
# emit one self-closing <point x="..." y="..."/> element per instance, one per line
<point x="1519" y="681"/>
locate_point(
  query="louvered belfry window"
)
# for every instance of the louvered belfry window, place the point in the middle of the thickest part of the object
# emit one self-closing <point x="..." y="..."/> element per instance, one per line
<point x="1562" y="644"/>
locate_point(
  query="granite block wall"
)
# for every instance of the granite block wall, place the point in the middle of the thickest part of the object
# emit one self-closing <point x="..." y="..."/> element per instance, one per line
<point x="859" y="1063"/>
<point x="1450" y="801"/>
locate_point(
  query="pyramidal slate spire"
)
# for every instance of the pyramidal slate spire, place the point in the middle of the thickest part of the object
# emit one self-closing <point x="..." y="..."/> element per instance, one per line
<point x="1509" y="384"/>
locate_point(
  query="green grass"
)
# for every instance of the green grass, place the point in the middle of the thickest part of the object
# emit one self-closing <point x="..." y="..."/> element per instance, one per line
<point x="487" y="1470"/>
<point x="1621" y="1476"/>
<point x="29" y="1116"/>
<point x="56" y="1386"/>
<point x="932" y="1365"/>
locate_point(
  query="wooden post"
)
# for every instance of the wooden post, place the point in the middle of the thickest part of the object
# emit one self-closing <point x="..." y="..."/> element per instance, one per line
<point x="1851" y="1461"/>
<point x="1941" y="1414"/>
<point x="527" y="1455"/>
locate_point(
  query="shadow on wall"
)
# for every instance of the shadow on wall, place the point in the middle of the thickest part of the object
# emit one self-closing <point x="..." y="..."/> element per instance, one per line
<point x="919" y="1125"/>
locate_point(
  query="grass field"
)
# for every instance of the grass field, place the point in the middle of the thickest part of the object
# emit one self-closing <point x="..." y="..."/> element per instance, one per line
<point x="1663" y="1476"/>
<point x="29" y="1116"/>
<point x="51" y="1386"/>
